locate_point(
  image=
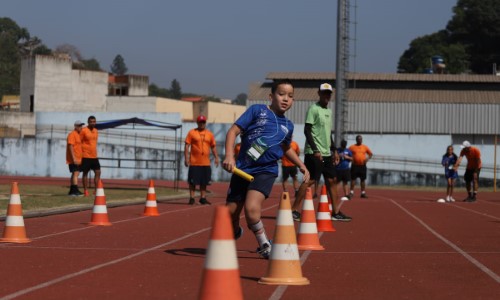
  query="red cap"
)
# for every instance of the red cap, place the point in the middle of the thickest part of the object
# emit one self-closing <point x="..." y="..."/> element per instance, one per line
<point x="201" y="118"/>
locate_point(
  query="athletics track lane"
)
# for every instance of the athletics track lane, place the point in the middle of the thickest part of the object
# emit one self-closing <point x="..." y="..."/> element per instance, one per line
<point x="390" y="250"/>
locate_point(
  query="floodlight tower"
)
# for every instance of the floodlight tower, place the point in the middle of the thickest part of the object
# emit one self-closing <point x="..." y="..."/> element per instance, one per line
<point x="342" y="67"/>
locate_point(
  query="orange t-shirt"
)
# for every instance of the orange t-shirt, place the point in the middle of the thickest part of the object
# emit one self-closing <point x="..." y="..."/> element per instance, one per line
<point x="201" y="142"/>
<point x="285" y="162"/>
<point x="359" y="154"/>
<point x="473" y="158"/>
<point x="74" y="141"/>
<point x="89" y="142"/>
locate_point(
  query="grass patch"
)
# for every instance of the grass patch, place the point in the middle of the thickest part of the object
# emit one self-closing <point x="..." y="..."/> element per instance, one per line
<point x="39" y="198"/>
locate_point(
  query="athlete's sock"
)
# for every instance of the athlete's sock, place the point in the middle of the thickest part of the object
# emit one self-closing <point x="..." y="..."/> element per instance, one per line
<point x="260" y="232"/>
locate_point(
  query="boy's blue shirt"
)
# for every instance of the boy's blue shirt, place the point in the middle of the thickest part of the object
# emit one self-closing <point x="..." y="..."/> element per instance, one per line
<point x="258" y="121"/>
<point x="344" y="163"/>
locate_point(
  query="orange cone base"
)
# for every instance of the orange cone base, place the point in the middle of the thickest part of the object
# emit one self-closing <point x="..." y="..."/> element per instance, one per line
<point x="151" y="212"/>
<point x="311" y="247"/>
<point x="100" y="223"/>
<point x="284" y="281"/>
<point x="14" y="234"/>
<point x="100" y="220"/>
<point x="212" y="281"/>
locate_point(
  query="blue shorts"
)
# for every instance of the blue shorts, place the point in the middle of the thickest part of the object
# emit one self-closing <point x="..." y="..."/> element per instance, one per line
<point x="451" y="174"/>
<point x="239" y="187"/>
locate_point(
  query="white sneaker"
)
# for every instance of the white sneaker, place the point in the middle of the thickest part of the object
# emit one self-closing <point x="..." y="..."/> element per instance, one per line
<point x="448" y="199"/>
<point x="452" y="199"/>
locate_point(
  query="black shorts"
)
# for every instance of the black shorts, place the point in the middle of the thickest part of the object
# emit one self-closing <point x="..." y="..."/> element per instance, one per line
<point x="90" y="164"/>
<point x="469" y="174"/>
<point x="239" y="187"/>
<point x="288" y="172"/>
<point x="74" y="168"/>
<point x="317" y="167"/>
<point x="200" y="175"/>
<point x="344" y="175"/>
<point x="358" y="172"/>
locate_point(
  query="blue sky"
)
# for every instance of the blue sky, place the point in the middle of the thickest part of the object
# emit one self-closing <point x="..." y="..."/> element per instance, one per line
<point x="218" y="47"/>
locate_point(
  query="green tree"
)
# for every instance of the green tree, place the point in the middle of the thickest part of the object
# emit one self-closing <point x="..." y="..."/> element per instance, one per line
<point x="241" y="99"/>
<point x="15" y="42"/>
<point x="91" y="64"/>
<point x="418" y="57"/>
<point x="175" y="90"/>
<point x="470" y="42"/>
<point x="156" y="91"/>
<point x="118" y="67"/>
<point x="476" y="25"/>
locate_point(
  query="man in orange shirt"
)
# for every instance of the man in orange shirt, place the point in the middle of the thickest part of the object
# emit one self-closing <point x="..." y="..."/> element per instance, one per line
<point x="360" y="156"/>
<point x="289" y="169"/>
<point x="89" y="136"/>
<point x="74" y="158"/>
<point x="472" y="170"/>
<point x="199" y="142"/>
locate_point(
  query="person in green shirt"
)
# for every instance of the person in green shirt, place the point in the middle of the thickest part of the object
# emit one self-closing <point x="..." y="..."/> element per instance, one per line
<point x="320" y="152"/>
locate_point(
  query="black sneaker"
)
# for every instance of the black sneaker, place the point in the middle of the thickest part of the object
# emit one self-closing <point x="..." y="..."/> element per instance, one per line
<point x="341" y="217"/>
<point x="348" y="196"/>
<point x="204" y="201"/>
<point x="73" y="194"/>
<point x="191" y="201"/>
<point x="296" y="216"/>
<point x="265" y="250"/>
<point x="239" y="233"/>
<point x="364" y="195"/>
<point x="471" y="199"/>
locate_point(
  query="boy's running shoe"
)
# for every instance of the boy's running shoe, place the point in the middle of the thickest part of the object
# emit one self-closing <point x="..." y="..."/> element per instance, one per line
<point x="265" y="250"/>
<point x="341" y="217"/>
<point x="296" y="216"/>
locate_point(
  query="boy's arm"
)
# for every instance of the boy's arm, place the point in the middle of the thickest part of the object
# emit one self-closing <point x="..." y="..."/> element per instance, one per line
<point x="293" y="157"/>
<point x="229" y="163"/>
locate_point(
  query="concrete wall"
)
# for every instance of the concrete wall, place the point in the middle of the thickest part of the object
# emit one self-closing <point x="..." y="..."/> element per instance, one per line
<point x="218" y="112"/>
<point x="55" y="86"/>
<point x="130" y="104"/>
<point x="138" y="85"/>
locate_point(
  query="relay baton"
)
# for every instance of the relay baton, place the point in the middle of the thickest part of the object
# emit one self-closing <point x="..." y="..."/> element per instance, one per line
<point x="242" y="174"/>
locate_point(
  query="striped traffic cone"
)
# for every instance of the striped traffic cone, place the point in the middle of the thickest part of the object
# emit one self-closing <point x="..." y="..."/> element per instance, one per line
<point x="284" y="264"/>
<point x="307" y="237"/>
<point x="151" y="208"/>
<point x="14" y="231"/>
<point x="221" y="276"/>
<point x="100" y="211"/>
<point x="324" y="217"/>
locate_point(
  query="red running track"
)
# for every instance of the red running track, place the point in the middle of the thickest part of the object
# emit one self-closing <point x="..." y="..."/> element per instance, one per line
<point x="400" y="245"/>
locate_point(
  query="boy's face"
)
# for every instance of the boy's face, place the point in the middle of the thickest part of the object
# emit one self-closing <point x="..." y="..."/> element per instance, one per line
<point x="282" y="98"/>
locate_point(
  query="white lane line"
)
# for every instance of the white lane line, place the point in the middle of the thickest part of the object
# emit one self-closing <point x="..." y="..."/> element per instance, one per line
<point x="280" y="290"/>
<point x="97" y="267"/>
<point x="109" y="263"/>
<point x="475" y="262"/>
<point x="476" y="212"/>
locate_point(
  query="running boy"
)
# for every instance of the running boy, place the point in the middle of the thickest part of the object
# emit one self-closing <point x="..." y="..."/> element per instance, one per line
<point x="265" y="136"/>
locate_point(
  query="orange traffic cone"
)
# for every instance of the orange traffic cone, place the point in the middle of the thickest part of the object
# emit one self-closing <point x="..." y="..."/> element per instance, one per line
<point x="100" y="211"/>
<point x="324" y="217"/>
<point x="307" y="237"/>
<point x="221" y="276"/>
<point x="284" y="264"/>
<point x="151" y="209"/>
<point x="14" y="231"/>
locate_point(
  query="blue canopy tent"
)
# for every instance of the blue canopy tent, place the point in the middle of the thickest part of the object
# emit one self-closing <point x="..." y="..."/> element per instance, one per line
<point x="138" y="124"/>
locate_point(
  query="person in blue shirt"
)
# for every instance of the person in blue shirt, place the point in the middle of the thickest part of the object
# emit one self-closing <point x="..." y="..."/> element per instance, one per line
<point x="449" y="160"/>
<point x="265" y="137"/>
<point x="344" y="167"/>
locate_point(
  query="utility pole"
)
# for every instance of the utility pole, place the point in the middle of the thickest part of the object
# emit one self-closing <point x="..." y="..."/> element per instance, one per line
<point x="342" y="67"/>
